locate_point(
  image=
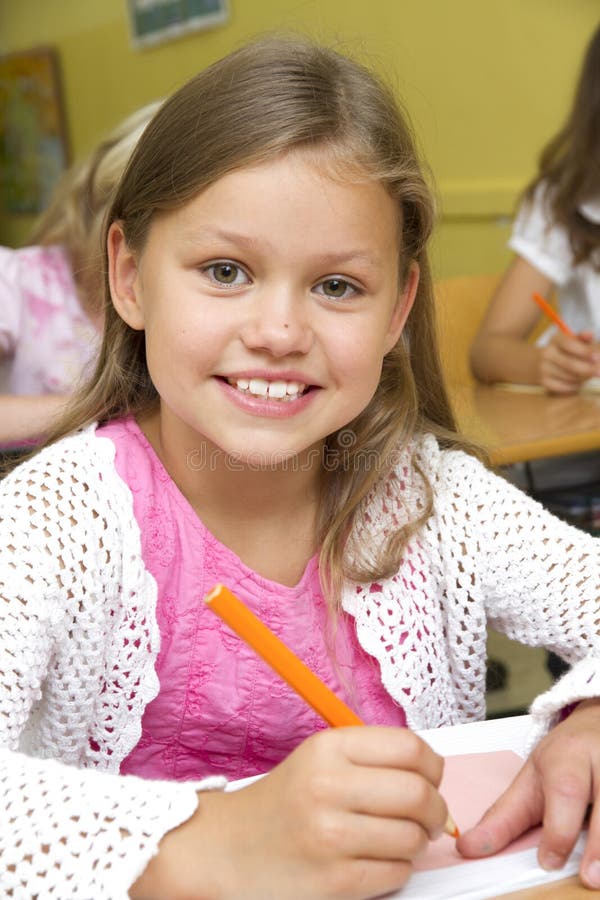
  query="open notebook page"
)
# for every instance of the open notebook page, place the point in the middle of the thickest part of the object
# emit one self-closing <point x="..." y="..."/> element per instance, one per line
<point x="482" y="760"/>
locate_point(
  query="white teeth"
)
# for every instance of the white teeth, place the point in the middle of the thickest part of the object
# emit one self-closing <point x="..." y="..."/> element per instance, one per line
<point x="274" y="390"/>
<point x="259" y="387"/>
<point x="278" y="389"/>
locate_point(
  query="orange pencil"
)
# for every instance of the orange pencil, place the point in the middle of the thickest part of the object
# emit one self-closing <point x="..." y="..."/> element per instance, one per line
<point x="552" y="314"/>
<point x="288" y="666"/>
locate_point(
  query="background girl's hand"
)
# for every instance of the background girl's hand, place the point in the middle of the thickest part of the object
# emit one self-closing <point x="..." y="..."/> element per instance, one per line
<point x="342" y="817"/>
<point x="555" y="786"/>
<point x="566" y="362"/>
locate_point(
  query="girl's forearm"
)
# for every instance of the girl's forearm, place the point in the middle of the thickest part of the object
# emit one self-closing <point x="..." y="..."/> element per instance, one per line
<point x="25" y="418"/>
<point x="503" y="358"/>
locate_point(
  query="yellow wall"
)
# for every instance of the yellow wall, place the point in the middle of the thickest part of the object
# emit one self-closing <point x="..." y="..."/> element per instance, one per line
<point x="486" y="84"/>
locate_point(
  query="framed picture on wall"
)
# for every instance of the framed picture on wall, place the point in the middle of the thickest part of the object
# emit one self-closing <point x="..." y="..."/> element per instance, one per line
<point x="33" y="140"/>
<point x="155" y="21"/>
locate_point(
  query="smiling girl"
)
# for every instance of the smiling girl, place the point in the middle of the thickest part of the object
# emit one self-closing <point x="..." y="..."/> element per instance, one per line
<point x="268" y="412"/>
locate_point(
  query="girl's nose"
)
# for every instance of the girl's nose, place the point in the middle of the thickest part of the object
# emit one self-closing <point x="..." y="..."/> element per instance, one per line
<point x="278" y="324"/>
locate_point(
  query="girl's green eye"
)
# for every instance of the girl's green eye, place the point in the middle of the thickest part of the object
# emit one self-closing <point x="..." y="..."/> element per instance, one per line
<point x="335" y="287"/>
<point x="225" y="273"/>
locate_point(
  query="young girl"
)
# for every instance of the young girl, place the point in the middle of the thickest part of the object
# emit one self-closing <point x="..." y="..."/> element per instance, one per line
<point x="267" y="411"/>
<point x="50" y="291"/>
<point x="556" y="239"/>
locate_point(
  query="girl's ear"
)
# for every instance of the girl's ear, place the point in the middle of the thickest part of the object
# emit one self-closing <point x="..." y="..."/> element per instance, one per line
<point x="403" y="306"/>
<point x="123" y="278"/>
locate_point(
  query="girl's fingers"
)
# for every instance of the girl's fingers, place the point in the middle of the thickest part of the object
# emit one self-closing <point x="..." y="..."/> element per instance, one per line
<point x="394" y="748"/>
<point x="590" y="862"/>
<point x="393" y="794"/>
<point x="517" y="810"/>
<point x="369" y="837"/>
<point x="567" y="794"/>
<point x="569" y="359"/>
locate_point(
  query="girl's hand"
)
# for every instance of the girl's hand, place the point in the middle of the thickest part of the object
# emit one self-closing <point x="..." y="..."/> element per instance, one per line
<point x="342" y="817"/>
<point x="566" y="362"/>
<point x="555" y="786"/>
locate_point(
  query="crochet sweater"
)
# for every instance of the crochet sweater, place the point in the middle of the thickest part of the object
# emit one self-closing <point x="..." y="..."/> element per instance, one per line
<point x="79" y="638"/>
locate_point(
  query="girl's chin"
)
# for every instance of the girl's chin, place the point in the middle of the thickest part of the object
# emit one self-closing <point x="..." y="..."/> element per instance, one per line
<point x="215" y="458"/>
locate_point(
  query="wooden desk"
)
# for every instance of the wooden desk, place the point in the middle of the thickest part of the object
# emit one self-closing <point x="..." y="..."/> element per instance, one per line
<point x="568" y="889"/>
<point x="517" y="426"/>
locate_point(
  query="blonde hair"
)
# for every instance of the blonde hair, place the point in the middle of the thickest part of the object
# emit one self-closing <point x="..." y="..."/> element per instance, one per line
<point x="267" y="98"/>
<point x="74" y="217"/>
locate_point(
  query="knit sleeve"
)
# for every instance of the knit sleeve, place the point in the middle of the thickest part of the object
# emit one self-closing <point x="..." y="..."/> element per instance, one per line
<point x="538" y="577"/>
<point x="77" y="643"/>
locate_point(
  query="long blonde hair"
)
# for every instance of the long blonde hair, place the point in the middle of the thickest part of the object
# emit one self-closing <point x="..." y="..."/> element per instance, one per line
<point x="75" y="214"/>
<point x="262" y="100"/>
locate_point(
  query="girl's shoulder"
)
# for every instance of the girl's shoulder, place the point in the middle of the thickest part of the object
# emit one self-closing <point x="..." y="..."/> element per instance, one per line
<point x="34" y="261"/>
<point x="536" y="204"/>
<point x="422" y="468"/>
<point x="75" y="472"/>
<point x="424" y="455"/>
<point x="43" y="272"/>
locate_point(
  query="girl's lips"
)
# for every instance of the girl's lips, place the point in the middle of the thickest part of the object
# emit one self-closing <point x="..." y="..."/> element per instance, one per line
<point x="264" y="406"/>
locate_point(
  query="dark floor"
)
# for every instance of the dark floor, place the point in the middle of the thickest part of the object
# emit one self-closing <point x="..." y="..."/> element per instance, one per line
<point x="526" y="676"/>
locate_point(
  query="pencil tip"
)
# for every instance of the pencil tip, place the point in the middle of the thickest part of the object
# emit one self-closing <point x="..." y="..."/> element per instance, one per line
<point x="451" y="828"/>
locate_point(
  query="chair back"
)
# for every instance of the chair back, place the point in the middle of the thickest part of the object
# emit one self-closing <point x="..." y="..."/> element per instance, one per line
<point x="460" y="306"/>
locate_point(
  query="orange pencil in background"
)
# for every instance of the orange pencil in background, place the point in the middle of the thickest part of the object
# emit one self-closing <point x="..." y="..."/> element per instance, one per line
<point x="288" y="666"/>
<point x="553" y="315"/>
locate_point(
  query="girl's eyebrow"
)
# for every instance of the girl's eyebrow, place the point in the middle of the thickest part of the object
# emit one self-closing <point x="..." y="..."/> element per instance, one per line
<point x="330" y="259"/>
<point x="196" y="234"/>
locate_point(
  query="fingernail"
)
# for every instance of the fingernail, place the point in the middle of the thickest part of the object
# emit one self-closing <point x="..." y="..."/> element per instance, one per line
<point x="592" y="874"/>
<point x="551" y="861"/>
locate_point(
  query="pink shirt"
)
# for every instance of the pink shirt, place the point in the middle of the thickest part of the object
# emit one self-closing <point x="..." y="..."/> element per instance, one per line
<point x="46" y="339"/>
<point x="221" y="709"/>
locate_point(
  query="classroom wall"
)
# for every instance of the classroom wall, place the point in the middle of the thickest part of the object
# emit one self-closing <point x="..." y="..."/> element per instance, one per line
<point x="486" y="84"/>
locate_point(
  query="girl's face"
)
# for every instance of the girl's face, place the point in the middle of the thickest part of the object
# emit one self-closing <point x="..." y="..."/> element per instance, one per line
<point x="268" y="302"/>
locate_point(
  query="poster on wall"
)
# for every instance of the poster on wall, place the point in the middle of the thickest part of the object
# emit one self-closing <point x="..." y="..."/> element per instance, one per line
<point x="155" y="21"/>
<point x="33" y="141"/>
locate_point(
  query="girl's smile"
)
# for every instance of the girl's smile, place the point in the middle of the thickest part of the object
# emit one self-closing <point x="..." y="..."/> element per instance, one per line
<point x="268" y="301"/>
<point x="263" y="394"/>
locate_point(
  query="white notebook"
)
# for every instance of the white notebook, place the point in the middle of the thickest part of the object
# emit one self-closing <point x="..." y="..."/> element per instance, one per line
<point x="507" y="872"/>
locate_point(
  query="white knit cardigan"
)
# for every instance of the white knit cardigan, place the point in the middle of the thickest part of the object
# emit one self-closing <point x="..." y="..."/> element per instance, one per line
<point x="79" y="638"/>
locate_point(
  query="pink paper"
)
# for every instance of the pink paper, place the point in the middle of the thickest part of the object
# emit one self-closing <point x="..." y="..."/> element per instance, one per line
<point x="471" y="783"/>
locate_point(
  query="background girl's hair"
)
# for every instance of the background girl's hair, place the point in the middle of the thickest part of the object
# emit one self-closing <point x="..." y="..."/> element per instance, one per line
<point x="74" y="216"/>
<point x="271" y="97"/>
<point x="570" y="163"/>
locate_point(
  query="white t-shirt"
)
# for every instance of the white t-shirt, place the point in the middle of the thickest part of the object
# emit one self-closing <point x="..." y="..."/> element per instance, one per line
<point x="546" y="246"/>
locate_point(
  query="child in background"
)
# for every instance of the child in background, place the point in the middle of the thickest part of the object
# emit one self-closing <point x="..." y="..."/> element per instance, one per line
<point x="51" y="291"/>
<point x="556" y="239"/>
<point x="268" y="411"/>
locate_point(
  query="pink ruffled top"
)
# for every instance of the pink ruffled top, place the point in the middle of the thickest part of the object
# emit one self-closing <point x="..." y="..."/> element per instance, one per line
<point x="220" y="708"/>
